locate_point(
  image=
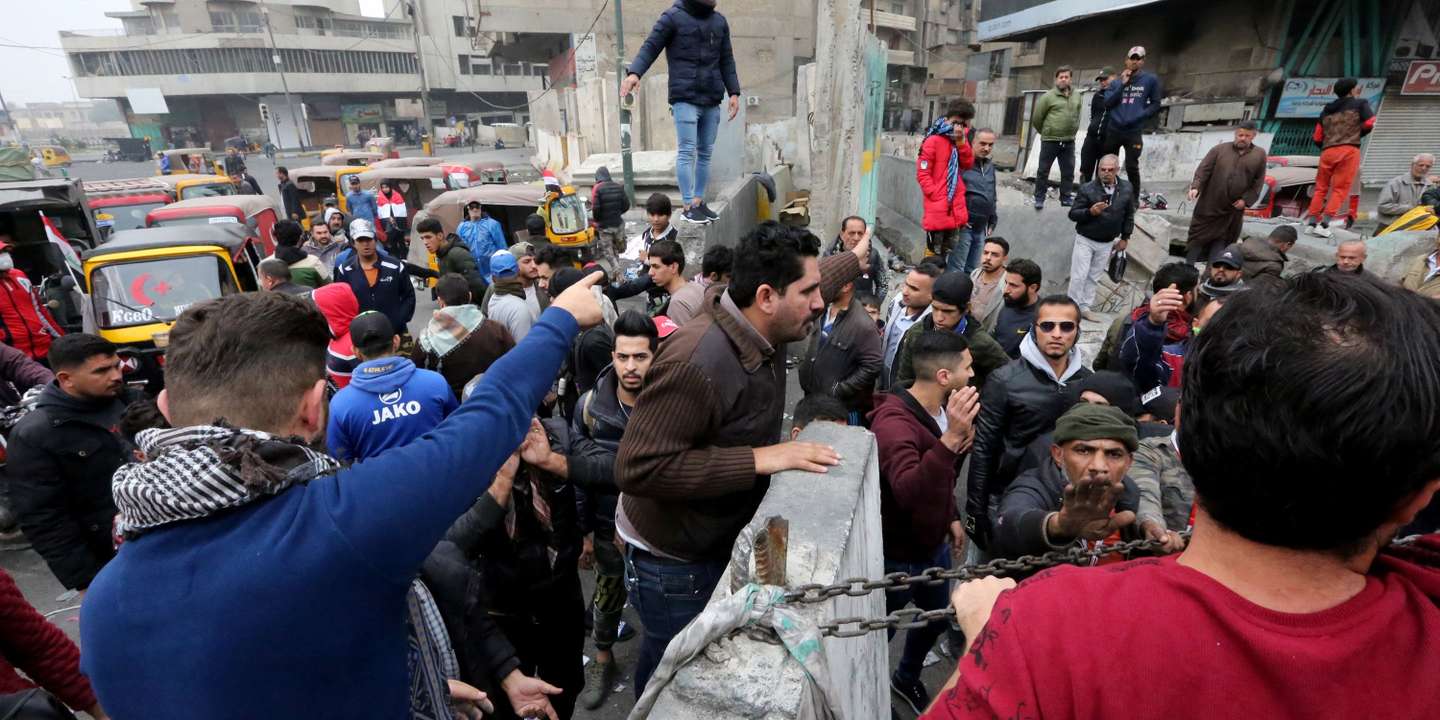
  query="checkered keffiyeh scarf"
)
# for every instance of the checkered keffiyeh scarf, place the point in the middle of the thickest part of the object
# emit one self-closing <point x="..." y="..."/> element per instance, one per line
<point x="194" y="472"/>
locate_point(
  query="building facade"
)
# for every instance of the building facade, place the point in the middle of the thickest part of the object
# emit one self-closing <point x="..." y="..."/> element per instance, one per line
<point x="83" y="121"/>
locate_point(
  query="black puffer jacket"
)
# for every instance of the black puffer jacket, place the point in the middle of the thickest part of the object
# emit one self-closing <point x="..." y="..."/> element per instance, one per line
<point x="1020" y="524"/>
<point x="608" y="200"/>
<point x="1020" y="402"/>
<point x="595" y="434"/>
<point x="1118" y="220"/>
<point x="62" y="456"/>
<point x="696" y="41"/>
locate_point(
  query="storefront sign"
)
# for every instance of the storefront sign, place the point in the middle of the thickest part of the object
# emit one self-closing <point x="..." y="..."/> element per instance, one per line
<point x="1423" y="78"/>
<point x="1306" y="97"/>
<point x="361" y="113"/>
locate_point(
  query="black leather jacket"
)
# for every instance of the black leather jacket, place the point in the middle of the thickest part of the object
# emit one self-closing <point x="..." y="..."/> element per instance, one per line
<point x="1019" y="403"/>
<point x="1020" y="522"/>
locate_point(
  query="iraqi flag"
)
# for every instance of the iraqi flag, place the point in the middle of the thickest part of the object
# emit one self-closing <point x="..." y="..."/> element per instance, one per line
<point x="52" y="233"/>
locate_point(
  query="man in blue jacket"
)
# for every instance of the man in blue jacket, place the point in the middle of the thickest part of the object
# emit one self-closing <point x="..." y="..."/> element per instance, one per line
<point x="696" y="41"/>
<point x="381" y="283"/>
<point x="1129" y="103"/>
<point x="389" y="401"/>
<point x="259" y="579"/>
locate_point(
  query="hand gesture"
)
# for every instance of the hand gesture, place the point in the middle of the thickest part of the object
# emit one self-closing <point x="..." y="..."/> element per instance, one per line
<point x="1239" y="204"/>
<point x="505" y="480"/>
<point x="529" y="696"/>
<point x="1194" y="194"/>
<point x="973" y="601"/>
<point x="1098" y="208"/>
<point x="862" y="248"/>
<point x="960" y="412"/>
<point x="957" y="542"/>
<point x="734" y="106"/>
<point x="795" y="455"/>
<point x="579" y="301"/>
<point x="1125" y="76"/>
<point x="629" y="84"/>
<point x="535" y="448"/>
<point x="587" y="552"/>
<point x="1170" y="541"/>
<point x="1086" y="511"/>
<point x="468" y="702"/>
<point x="1165" y="302"/>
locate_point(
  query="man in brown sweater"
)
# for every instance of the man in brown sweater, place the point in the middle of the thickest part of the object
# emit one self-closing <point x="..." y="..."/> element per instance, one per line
<point x="704" y="438"/>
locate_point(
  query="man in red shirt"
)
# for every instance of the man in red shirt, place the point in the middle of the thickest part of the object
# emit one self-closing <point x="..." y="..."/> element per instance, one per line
<point x="1311" y="436"/>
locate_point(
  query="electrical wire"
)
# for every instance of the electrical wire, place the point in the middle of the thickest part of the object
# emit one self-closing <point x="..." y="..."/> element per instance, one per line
<point x="589" y="34"/>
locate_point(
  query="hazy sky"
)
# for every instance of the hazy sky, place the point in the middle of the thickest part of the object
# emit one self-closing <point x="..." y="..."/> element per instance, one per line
<point x="39" y="74"/>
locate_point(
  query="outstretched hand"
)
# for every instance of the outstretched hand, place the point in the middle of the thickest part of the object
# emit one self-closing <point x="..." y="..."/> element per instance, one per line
<point x="580" y="302"/>
<point x="1088" y="510"/>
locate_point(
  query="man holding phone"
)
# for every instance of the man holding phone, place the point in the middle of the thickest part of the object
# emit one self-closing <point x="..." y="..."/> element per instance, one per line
<point x="944" y="155"/>
<point x="1129" y="104"/>
<point x="1103" y="210"/>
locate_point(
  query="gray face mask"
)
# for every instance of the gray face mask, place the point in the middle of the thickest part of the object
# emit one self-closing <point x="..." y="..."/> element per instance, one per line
<point x="7" y="263"/>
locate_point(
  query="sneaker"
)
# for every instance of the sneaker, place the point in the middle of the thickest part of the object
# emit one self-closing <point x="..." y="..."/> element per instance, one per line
<point x="625" y="632"/>
<point x="599" y="678"/>
<point x="1066" y="201"/>
<point x="912" y="692"/>
<point x="693" y="215"/>
<point x="1039" y="205"/>
<point x="1323" y="231"/>
<point x="707" y="212"/>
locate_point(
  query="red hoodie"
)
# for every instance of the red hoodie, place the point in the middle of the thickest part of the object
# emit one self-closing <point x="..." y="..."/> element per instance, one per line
<point x="338" y="304"/>
<point x="28" y="325"/>
<point x="917" y="478"/>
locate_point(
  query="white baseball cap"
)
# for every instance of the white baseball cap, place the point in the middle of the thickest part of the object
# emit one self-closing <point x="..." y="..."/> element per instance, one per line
<point x="1137" y="50"/>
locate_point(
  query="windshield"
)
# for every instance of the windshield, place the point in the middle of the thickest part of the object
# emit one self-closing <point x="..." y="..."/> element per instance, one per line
<point x="147" y="291"/>
<point x="124" y="217"/>
<point x="215" y="189"/>
<point x="567" y="215"/>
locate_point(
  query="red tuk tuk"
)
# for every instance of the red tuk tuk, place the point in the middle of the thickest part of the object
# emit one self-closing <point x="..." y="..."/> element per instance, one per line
<point x="1289" y="187"/>
<point x="122" y="204"/>
<point x="257" y="212"/>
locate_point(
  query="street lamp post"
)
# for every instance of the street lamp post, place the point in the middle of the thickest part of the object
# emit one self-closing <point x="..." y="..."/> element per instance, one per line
<point x="284" y="84"/>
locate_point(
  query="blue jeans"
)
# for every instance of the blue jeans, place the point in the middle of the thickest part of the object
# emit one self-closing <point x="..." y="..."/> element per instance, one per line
<point x="969" y="243"/>
<point x="918" y="641"/>
<point x="667" y="594"/>
<point x="695" y="129"/>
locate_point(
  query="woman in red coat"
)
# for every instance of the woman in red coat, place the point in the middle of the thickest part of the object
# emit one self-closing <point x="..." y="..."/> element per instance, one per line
<point x="944" y="155"/>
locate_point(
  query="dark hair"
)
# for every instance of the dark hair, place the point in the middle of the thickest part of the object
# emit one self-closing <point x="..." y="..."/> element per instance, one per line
<point x="961" y="107"/>
<point x="637" y="324"/>
<point x="867" y="299"/>
<point x="1027" y="269"/>
<point x="1343" y="86"/>
<point x="1063" y="69"/>
<point x="71" y="351"/>
<point x="564" y="278"/>
<point x="287" y="232"/>
<point x="1182" y="275"/>
<point x="275" y="268"/>
<point x="282" y="169"/>
<point x="718" y="260"/>
<point x="429" y="225"/>
<point x="771" y="254"/>
<point x="453" y="289"/>
<point x="555" y="257"/>
<point x="658" y="204"/>
<point x="1065" y="300"/>
<point x="846" y="221"/>
<point x="1002" y="242"/>
<point x="535" y="224"/>
<point x="929" y="269"/>
<point x="936" y="350"/>
<point x="143" y="414"/>
<point x="669" y="252"/>
<point x="245" y="358"/>
<point x="819" y="407"/>
<point x="1246" y="125"/>
<point x="1306" y="429"/>
<point x="1285" y="234"/>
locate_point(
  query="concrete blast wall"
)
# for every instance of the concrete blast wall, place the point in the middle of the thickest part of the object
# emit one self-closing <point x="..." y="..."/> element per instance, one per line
<point x="834" y="534"/>
<point x="838" y="114"/>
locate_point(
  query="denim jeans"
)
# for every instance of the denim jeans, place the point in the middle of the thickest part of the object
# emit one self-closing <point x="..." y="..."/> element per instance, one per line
<point x="695" y="129"/>
<point x="667" y="594"/>
<point x="969" y="243"/>
<point x="918" y="641"/>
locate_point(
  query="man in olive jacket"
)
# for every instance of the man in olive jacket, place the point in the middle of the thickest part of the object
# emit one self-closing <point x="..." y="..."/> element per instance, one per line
<point x="1057" y="118"/>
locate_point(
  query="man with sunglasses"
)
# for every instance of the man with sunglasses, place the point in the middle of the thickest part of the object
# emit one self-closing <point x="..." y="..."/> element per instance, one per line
<point x="1020" y="402"/>
<point x="1129" y="104"/>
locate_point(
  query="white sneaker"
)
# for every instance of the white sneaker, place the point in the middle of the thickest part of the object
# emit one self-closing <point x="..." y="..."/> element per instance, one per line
<point x="1322" y="231"/>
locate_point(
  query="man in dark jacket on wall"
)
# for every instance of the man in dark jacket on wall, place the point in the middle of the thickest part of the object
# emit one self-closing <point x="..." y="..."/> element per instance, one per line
<point x="595" y="433"/>
<point x="922" y="434"/>
<point x="949" y="311"/>
<point x="1081" y="495"/>
<point x="696" y="42"/>
<point x="705" y="436"/>
<point x="844" y="356"/>
<point x="1019" y="403"/>
<point x="380" y="283"/>
<point x="872" y="278"/>
<point x="1095" y="131"/>
<point x="609" y="202"/>
<point x="1102" y="211"/>
<point x="61" y="457"/>
<point x="1130" y="102"/>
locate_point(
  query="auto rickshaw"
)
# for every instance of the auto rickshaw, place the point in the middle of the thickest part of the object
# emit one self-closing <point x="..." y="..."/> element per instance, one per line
<point x="194" y="160"/>
<point x="492" y="173"/>
<point x="317" y="182"/>
<point x="52" y="155"/>
<point x="186" y="186"/>
<point x="138" y="284"/>
<point x="411" y="162"/>
<point x="383" y="145"/>
<point x="357" y="158"/>
<point x="257" y="212"/>
<point x="511" y="203"/>
<point x="123" y="204"/>
<point x="419" y="185"/>
<point x="1288" y="189"/>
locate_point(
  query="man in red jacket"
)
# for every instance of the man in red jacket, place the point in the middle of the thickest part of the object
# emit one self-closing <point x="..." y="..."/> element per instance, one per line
<point x="27" y="323"/>
<point x="944" y="155"/>
<point x="1290" y="600"/>
<point x="923" y="433"/>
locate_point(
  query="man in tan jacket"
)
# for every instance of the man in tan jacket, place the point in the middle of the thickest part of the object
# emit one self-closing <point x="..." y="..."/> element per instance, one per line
<point x="1423" y="274"/>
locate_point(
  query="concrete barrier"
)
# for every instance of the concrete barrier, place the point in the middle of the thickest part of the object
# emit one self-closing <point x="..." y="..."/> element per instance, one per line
<point x="834" y="534"/>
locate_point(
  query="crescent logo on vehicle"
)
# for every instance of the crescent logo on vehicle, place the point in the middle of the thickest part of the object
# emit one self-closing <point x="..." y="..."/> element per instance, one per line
<point x="129" y="364"/>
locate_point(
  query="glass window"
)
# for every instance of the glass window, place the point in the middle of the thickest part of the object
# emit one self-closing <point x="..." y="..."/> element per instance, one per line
<point x="138" y="293"/>
<point x="567" y="215"/>
<point x="124" y="217"/>
<point x="464" y="64"/>
<point x="208" y="190"/>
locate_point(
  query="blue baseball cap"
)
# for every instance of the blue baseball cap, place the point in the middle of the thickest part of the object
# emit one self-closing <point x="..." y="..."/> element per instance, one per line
<point x="503" y="265"/>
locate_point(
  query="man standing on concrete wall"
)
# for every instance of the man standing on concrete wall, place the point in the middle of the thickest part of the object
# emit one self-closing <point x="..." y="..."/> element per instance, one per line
<point x="1095" y="132"/>
<point x="1227" y="181"/>
<point x="696" y="41"/>
<point x="1056" y="118"/>
<point x="1343" y="122"/>
<point x="1129" y="104"/>
<point x="944" y="155"/>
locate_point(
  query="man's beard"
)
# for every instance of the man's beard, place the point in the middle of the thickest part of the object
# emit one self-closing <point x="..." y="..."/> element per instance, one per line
<point x="1014" y="303"/>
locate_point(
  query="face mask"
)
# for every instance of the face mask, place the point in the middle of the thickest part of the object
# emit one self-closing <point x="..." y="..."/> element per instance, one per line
<point x="7" y="263"/>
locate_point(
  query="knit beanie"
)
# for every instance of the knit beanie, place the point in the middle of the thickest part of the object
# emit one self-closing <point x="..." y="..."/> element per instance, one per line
<point x="1096" y="422"/>
<point x="1114" y="387"/>
<point x="953" y="288"/>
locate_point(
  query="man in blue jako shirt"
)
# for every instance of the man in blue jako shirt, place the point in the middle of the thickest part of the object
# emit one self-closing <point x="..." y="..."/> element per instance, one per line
<point x="1130" y="102"/>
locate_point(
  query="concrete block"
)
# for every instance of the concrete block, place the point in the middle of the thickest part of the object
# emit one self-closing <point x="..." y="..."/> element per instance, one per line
<point x="1167" y="157"/>
<point x="727" y="158"/>
<point x="652" y="168"/>
<point x="659" y="123"/>
<point x="786" y="142"/>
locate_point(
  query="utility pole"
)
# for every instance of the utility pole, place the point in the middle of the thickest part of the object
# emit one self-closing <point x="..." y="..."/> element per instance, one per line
<point x="625" y="162"/>
<point x="427" y="129"/>
<point x="284" y="84"/>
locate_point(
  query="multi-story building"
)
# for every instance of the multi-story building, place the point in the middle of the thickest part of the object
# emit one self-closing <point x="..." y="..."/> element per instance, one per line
<point x="85" y="121"/>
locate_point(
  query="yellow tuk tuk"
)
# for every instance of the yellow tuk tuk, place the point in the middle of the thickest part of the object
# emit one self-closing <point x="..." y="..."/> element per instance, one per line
<point x="196" y="161"/>
<point x="357" y="158"/>
<point x="185" y="186"/>
<point x="317" y="182"/>
<point x="568" y="227"/>
<point x="140" y="281"/>
<point x="52" y="155"/>
<point x="411" y="162"/>
<point x="383" y="145"/>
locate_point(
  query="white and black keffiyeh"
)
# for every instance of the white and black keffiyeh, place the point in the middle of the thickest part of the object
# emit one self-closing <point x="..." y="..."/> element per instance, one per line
<point x="194" y="472"/>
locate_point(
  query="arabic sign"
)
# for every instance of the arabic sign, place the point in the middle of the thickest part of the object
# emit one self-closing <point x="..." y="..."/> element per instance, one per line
<point x="361" y="113"/>
<point x="1423" y="78"/>
<point x="1306" y="97"/>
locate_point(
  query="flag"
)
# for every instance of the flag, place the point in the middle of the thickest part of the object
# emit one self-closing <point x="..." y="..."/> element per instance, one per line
<point x="52" y="233"/>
